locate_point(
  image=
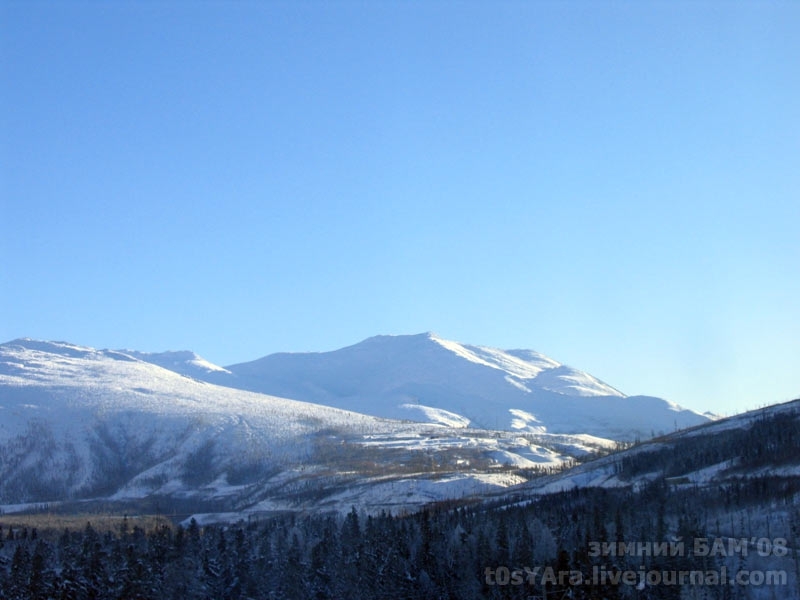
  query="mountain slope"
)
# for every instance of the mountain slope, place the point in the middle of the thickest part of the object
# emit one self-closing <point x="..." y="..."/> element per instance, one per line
<point x="426" y="378"/>
<point x="183" y="362"/>
<point x="79" y="423"/>
<point x="763" y="443"/>
<point x="108" y="418"/>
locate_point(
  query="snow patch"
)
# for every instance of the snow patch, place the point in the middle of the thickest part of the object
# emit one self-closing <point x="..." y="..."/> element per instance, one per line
<point x="439" y="415"/>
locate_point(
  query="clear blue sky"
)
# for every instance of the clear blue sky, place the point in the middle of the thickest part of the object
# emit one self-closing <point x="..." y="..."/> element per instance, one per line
<point x="615" y="184"/>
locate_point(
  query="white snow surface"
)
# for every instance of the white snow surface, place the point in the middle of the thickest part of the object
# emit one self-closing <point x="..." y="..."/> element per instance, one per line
<point x="427" y="378"/>
<point x="81" y="423"/>
<point x="438" y="415"/>
<point x="604" y="472"/>
<point x="184" y="362"/>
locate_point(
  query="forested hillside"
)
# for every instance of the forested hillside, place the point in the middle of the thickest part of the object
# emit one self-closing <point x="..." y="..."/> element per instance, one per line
<point x="712" y="512"/>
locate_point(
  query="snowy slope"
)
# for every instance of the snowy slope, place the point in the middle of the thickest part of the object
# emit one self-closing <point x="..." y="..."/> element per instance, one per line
<point x="76" y="422"/>
<point x="104" y="411"/>
<point x="426" y="378"/>
<point x="759" y="443"/>
<point x="184" y="362"/>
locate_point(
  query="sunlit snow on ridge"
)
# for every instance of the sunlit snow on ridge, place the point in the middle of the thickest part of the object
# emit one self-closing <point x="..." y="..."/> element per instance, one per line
<point x="81" y="415"/>
<point x="427" y="378"/>
<point x="438" y="415"/>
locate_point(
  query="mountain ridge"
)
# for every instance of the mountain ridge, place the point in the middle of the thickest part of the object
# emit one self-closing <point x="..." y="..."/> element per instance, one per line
<point x="405" y="376"/>
<point x="80" y="424"/>
<point x="424" y="377"/>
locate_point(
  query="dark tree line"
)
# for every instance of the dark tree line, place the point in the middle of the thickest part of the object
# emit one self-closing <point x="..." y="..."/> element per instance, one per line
<point x="432" y="554"/>
<point x="467" y="552"/>
<point x="769" y="441"/>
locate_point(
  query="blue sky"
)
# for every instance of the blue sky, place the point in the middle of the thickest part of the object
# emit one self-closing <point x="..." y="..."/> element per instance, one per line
<point x="615" y="184"/>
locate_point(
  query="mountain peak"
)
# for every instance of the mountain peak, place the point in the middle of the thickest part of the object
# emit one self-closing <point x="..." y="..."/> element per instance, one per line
<point x="53" y="347"/>
<point x="65" y="349"/>
<point x="184" y="362"/>
<point x="399" y="338"/>
<point x="424" y="375"/>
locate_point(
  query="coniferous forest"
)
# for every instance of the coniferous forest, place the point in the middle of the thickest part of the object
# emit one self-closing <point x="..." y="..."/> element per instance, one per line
<point x="663" y="538"/>
<point x="545" y="548"/>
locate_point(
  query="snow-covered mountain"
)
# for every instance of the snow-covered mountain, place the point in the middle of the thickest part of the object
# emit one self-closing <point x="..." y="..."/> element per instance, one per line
<point x="757" y="445"/>
<point x="79" y="423"/>
<point x="184" y="362"/>
<point x="427" y="378"/>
